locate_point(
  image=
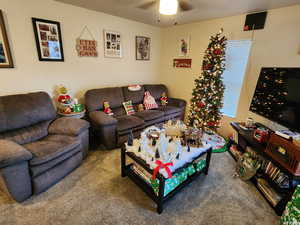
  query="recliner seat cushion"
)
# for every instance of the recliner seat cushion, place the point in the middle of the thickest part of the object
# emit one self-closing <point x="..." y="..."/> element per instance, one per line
<point x="50" y="148"/>
<point x="94" y="98"/>
<point x="135" y="96"/>
<point x="18" y="111"/>
<point x="128" y="122"/>
<point x="39" y="169"/>
<point x="169" y="109"/>
<point x="27" y="134"/>
<point x="148" y="115"/>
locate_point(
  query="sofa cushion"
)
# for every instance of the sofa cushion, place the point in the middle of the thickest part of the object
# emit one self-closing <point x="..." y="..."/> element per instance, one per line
<point x="94" y="98"/>
<point x="18" y="111"/>
<point x="169" y="109"/>
<point x="149" y="114"/>
<point x="11" y="153"/>
<point x="156" y="90"/>
<point x="68" y="126"/>
<point x="128" y="123"/>
<point x="135" y="96"/>
<point x="119" y="111"/>
<point x="27" y="134"/>
<point x="50" y="148"/>
<point x="39" y="169"/>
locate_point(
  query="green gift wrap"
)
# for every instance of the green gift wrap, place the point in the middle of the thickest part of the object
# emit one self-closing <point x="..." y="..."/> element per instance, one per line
<point x="191" y="170"/>
<point x="291" y="215"/>
<point x="200" y="165"/>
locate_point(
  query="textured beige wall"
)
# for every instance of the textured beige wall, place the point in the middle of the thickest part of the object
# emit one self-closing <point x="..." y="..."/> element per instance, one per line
<point x="276" y="45"/>
<point x="78" y="74"/>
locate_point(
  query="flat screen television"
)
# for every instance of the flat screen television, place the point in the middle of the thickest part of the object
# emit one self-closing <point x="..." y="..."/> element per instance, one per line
<point x="277" y="96"/>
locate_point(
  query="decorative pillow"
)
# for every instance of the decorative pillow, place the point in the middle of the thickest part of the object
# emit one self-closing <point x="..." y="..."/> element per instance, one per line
<point x="128" y="107"/>
<point x="149" y="101"/>
<point x="134" y="87"/>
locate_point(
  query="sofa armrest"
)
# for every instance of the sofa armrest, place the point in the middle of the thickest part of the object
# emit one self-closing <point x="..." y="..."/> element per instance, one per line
<point x="177" y="102"/>
<point x="100" y="118"/>
<point x="12" y="153"/>
<point x="68" y="126"/>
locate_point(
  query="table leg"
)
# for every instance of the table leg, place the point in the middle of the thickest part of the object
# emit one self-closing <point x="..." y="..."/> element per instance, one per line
<point x="123" y="161"/>
<point x="208" y="157"/>
<point x="161" y="194"/>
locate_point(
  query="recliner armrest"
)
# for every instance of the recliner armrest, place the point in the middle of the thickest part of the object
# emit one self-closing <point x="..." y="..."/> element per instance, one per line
<point x="68" y="126"/>
<point x="12" y="153"/>
<point x="177" y="102"/>
<point x="102" y="119"/>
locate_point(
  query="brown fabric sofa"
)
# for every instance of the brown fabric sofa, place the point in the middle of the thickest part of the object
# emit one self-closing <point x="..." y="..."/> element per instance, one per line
<point x="36" y="149"/>
<point x="112" y="131"/>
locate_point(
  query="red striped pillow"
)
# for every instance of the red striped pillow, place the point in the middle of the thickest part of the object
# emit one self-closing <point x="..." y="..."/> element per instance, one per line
<point x="128" y="107"/>
<point x="149" y="101"/>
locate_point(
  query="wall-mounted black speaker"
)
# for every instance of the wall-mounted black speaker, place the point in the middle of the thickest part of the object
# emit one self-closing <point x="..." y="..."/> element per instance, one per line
<point x="255" y="21"/>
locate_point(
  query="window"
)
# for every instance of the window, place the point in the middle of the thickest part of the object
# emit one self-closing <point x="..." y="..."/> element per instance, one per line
<point x="237" y="54"/>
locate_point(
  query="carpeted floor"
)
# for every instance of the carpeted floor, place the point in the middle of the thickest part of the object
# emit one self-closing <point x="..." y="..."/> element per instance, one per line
<point x="96" y="194"/>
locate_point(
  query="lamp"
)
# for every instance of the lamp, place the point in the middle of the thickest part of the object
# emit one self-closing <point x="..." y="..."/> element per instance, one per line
<point x="168" y="7"/>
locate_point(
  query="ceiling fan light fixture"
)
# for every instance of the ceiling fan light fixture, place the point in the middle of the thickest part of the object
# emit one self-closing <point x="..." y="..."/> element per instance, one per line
<point x="168" y="7"/>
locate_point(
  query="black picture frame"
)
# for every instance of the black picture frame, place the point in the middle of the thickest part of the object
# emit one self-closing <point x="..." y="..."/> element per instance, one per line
<point x="48" y="40"/>
<point x="142" y="54"/>
<point x="6" y="60"/>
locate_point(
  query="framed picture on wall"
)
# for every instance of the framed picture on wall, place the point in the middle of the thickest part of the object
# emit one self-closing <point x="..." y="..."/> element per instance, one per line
<point x="48" y="40"/>
<point x="184" y="46"/>
<point x="142" y="48"/>
<point x="112" y="44"/>
<point x="5" y="54"/>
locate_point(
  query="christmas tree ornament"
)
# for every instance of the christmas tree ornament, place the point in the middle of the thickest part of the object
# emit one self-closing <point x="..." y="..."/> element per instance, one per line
<point x="207" y="95"/>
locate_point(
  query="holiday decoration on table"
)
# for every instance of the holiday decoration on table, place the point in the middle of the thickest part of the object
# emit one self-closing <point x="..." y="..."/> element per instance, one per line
<point x="207" y="96"/>
<point x="149" y="101"/>
<point x="107" y="108"/>
<point x="164" y="99"/>
<point x="68" y="106"/>
<point x="155" y="145"/>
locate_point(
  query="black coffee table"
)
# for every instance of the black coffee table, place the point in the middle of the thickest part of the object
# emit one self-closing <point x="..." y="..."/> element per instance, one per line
<point x="160" y="199"/>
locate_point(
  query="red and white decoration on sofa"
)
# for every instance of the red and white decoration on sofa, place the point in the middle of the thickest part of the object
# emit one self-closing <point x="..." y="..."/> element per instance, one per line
<point x="149" y="101"/>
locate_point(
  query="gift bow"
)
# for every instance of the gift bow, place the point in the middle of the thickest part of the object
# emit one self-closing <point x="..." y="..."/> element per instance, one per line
<point x="161" y="165"/>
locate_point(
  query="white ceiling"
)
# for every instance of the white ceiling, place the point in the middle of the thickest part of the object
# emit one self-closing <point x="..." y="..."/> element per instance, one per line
<point x="203" y="9"/>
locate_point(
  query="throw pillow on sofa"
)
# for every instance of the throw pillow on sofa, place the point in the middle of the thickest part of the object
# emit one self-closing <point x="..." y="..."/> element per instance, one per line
<point x="149" y="101"/>
<point x="128" y="107"/>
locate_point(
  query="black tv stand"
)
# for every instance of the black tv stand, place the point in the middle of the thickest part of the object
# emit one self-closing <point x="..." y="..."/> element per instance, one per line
<point x="245" y="139"/>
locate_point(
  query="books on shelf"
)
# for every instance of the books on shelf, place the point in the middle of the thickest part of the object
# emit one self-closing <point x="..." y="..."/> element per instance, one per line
<point x="142" y="173"/>
<point x="274" y="173"/>
<point x="268" y="191"/>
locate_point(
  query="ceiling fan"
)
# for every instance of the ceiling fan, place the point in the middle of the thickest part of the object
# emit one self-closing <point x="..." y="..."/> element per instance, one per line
<point x="168" y="7"/>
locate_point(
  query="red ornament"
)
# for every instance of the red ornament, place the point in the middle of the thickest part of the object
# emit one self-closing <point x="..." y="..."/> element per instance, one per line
<point x="217" y="51"/>
<point x="211" y="124"/>
<point x="207" y="67"/>
<point x="201" y="104"/>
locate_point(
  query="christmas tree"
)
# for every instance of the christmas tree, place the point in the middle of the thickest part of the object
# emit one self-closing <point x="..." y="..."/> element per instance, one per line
<point x="207" y="96"/>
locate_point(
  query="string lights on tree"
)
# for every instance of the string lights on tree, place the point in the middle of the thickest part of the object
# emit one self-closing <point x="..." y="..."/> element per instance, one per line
<point x="207" y="95"/>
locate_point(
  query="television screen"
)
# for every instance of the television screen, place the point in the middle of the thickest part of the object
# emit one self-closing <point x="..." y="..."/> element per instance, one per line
<point x="277" y="96"/>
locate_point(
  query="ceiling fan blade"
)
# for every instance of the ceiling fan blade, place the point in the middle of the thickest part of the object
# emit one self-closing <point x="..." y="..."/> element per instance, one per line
<point x="147" y="5"/>
<point x="184" y="5"/>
